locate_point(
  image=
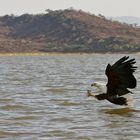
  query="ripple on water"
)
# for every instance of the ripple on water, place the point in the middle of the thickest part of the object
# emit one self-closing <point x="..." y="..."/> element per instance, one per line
<point x="15" y="134"/>
<point x="12" y="107"/>
<point x="68" y="103"/>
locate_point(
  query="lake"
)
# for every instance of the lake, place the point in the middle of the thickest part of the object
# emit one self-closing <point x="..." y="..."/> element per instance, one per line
<point x="43" y="97"/>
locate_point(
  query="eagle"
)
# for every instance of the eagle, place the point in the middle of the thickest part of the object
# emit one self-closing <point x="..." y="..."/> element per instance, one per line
<point x="120" y="80"/>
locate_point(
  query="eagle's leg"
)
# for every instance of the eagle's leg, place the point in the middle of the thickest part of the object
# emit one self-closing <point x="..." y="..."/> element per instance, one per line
<point x="99" y="97"/>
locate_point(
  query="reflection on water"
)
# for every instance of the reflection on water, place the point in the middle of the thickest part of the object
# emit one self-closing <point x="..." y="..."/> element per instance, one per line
<point x="44" y="97"/>
<point x="121" y="111"/>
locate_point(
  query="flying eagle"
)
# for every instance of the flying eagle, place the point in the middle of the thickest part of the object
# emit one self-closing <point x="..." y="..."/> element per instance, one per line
<point x="120" y="78"/>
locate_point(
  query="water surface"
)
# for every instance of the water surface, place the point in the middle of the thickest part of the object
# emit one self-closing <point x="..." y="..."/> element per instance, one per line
<point x="44" y="98"/>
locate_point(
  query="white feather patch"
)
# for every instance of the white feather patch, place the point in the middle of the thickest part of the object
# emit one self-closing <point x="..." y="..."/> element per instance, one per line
<point x="101" y="86"/>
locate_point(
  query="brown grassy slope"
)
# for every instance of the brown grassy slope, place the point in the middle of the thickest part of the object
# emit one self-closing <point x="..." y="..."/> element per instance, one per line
<point x="69" y="31"/>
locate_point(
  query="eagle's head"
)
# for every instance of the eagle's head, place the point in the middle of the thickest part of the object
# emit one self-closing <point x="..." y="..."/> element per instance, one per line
<point x="100" y="86"/>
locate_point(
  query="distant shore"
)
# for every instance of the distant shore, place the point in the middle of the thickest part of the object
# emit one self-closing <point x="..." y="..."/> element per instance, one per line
<point x="60" y="53"/>
<point x="68" y="31"/>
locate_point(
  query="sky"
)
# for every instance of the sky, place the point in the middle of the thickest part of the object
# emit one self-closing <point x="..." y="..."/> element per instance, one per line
<point x="104" y="7"/>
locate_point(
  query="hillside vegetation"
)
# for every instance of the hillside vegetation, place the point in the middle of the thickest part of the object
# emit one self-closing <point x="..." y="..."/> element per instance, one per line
<point x="66" y="31"/>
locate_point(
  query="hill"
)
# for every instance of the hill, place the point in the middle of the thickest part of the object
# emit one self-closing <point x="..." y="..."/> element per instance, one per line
<point x="66" y="31"/>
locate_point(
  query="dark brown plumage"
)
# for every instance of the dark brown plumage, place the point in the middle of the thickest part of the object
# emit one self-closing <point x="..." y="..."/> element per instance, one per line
<point x="120" y="78"/>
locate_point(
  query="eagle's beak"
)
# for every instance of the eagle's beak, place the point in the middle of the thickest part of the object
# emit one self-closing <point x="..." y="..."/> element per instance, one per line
<point x="94" y="84"/>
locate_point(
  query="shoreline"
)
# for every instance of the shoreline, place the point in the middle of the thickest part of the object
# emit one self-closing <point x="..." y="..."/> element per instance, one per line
<point x="60" y="53"/>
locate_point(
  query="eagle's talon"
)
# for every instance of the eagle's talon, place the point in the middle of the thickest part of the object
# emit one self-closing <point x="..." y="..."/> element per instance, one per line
<point x="89" y="93"/>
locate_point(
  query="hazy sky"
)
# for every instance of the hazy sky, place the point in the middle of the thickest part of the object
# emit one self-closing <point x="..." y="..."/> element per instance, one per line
<point x="104" y="7"/>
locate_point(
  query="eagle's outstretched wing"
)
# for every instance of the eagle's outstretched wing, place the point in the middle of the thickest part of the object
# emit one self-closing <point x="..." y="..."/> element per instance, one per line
<point x="120" y="76"/>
